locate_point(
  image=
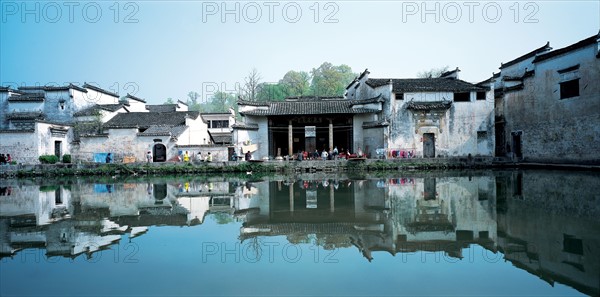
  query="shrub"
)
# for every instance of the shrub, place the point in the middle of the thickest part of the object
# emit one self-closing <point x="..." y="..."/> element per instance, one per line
<point x="48" y="159"/>
<point x="66" y="159"/>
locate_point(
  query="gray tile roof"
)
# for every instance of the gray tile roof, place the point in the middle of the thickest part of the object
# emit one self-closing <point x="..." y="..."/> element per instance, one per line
<point x="98" y="89"/>
<point x="244" y="126"/>
<point x="404" y="85"/>
<point x="376" y="124"/>
<point x="162" y="107"/>
<point x="147" y="119"/>
<point x="29" y="97"/>
<point x="222" y="138"/>
<point x="17" y="130"/>
<point x="94" y="109"/>
<point x="312" y="105"/>
<point x="546" y="47"/>
<point x="52" y="88"/>
<point x="163" y="131"/>
<point x="583" y="43"/>
<point x="33" y="115"/>
<point x="135" y="98"/>
<point x="436" y="105"/>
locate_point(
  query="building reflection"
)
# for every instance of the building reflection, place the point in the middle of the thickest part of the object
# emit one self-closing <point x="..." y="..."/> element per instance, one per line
<point x="548" y="230"/>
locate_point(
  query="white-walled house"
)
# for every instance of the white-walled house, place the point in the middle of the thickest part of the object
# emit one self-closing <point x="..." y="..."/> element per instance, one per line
<point x="428" y="117"/>
<point x="36" y="120"/>
<point x="133" y="134"/>
<point x="548" y="104"/>
<point x="219" y="125"/>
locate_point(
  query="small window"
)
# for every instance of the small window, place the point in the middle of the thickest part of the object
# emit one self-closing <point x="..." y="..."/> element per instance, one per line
<point x="481" y="136"/>
<point x="572" y="245"/>
<point x="569" y="89"/>
<point x="462" y="97"/>
<point x="399" y="96"/>
<point x="481" y="95"/>
<point x="225" y="124"/>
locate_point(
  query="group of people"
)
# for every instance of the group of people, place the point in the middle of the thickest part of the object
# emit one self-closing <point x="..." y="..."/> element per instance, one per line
<point x="328" y="154"/>
<point x="5" y="159"/>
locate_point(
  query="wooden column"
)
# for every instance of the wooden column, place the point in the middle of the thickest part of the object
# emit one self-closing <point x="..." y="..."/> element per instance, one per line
<point x="331" y="198"/>
<point x="291" y="197"/>
<point x="330" y="134"/>
<point x="290" y="139"/>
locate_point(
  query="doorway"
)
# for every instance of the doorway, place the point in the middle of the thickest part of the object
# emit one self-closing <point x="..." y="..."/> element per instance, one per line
<point x="160" y="153"/>
<point x="517" y="144"/>
<point x="429" y="145"/>
<point x="58" y="148"/>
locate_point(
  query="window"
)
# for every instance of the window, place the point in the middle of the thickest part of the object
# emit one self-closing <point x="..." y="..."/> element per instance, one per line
<point x="481" y="95"/>
<point x="399" y="96"/>
<point x="462" y="97"/>
<point x="481" y="136"/>
<point x="569" y="89"/>
<point x="572" y="245"/>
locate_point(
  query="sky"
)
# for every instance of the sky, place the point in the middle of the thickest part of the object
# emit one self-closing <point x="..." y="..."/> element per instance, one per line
<point x="164" y="49"/>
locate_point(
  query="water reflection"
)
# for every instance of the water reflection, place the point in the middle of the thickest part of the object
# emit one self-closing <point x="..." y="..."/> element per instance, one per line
<point x="543" y="222"/>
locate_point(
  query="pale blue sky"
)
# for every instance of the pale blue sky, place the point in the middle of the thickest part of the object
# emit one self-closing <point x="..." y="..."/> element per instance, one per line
<point x="172" y="50"/>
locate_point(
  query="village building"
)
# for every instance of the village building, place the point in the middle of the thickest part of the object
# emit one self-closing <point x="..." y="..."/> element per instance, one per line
<point x="219" y="125"/>
<point x="548" y="103"/>
<point x="37" y="120"/>
<point x="384" y="118"/>
<point x="128" y="137"/>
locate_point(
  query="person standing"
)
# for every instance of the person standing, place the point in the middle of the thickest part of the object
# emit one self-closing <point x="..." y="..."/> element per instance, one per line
<point x="186" y="157"/>
<point x="148" y="157"/>
<point x="108" y="158"/>
<point x="248" y="156"/>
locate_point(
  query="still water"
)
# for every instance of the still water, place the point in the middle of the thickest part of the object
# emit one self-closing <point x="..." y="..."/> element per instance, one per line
<point x="413" y="233"/>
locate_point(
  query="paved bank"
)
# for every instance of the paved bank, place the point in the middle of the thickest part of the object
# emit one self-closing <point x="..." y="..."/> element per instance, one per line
<point x="330" y="166"/>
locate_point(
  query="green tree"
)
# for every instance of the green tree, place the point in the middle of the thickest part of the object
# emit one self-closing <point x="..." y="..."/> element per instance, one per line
<point x="330" y="80"/>
<point x="295" y="83"/>
<point x="270" y="92"/>
<point x="193" y="101"/>
<point x="169" y="101"/>
<point x="221" y="102"/>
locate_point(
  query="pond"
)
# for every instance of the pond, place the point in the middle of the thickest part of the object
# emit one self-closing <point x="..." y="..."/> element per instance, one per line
<point x="399" y="233"/>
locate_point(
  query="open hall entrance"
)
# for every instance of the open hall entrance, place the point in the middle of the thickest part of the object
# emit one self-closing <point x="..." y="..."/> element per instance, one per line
<point x="290" y="134"/>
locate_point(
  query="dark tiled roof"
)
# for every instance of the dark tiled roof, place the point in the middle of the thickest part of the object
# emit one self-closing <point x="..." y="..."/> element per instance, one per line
<point x="583" y="43"/>
<point x="526" y="56"/>
<point x="435" y="105"/>
<point x="244" y="126"/>
<point x="147" y="119"/>
<point x="311" y="106"/>
<point x="30" y="97"/>
<point x="98" y="89"/>
<point x="376" y="124"/>
<point x="17" y="130"/>
<point x="51" y="88"/>
<point x="93" y="110"/>
<point x="35" y="115"/>
<point x="252" y="103"/>
<point x="222" y="138"/>
<point x="162" y="108"/>
<point x="404" y="85"/>
<point x="163" y="131"/>
<point x="135" y="98"/>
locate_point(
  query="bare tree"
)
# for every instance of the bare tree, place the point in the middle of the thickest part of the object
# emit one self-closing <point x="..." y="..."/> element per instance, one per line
<point x="251" y="84"/>
<point x="433" y="72"/>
